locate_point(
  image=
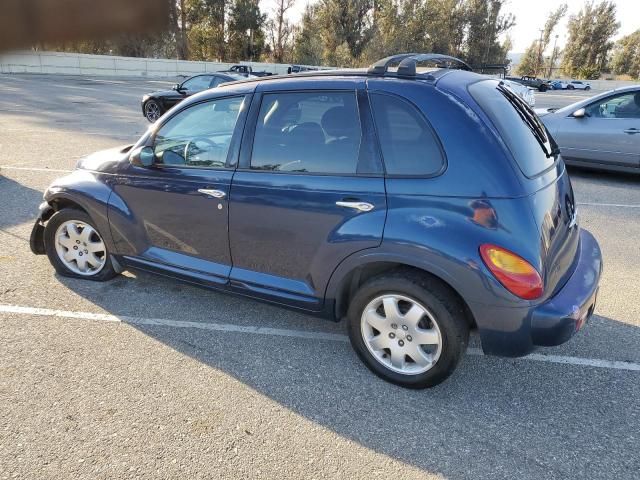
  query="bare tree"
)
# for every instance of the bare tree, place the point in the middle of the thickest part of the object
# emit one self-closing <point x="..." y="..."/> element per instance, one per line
<point x="280" y="30"/>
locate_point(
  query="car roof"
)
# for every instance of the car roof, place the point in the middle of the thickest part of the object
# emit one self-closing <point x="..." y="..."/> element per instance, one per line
<point x="332" y="79"/>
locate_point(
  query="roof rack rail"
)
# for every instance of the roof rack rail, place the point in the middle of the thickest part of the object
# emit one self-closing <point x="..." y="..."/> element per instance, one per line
<point x="407" y="63"/>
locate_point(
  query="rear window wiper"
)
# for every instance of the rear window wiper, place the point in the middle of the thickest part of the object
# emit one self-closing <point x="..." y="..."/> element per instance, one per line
<point x="537" y="128"/>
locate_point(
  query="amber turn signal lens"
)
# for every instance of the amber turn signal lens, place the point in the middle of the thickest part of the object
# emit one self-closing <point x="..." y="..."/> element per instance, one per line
<point x="512" y="271"/>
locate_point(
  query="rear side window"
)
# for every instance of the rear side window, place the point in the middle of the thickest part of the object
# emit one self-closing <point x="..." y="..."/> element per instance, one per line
<point x="311" y="132"/>
<point x="408" y="144"/>
<point x="525" y="136"/>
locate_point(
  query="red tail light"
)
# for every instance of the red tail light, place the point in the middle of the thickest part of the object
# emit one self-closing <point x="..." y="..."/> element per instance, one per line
<point x="512" y="271"/>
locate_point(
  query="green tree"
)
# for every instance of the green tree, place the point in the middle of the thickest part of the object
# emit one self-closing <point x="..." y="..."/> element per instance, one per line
<point x="589" y="44"/>
<point x="532" y="61"/>
<point x="307" y="49"/>
<point x="246" y="34"/>
<point x="626" y="56"/>
<point x="484" y="25"/>
<point x="345" y="22"/>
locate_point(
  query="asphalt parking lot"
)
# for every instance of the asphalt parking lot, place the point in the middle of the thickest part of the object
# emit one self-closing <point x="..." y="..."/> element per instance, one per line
<point x="141" y="377"/>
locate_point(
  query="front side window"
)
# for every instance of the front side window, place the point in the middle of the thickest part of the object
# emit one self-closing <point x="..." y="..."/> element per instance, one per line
<point x="312" y="132"/>
<point x="196" y="84"/>
<point x="409" y="145"/>
<point x="198" y="136"/>
<point x="625" y="105"/>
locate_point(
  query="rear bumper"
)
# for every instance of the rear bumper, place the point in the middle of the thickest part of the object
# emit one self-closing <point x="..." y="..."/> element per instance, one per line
<point x="516" y="332"/>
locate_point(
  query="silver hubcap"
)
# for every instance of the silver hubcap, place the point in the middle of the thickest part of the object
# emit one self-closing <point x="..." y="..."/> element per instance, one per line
<point x="80" y="248"/>
<point x="152" y="111"/>
<point x="401" y="334"/>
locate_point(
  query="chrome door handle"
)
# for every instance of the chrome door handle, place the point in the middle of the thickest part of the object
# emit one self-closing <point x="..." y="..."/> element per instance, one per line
<point x="213" y="193"/>
<point x="360" y="206"/>
<point x="632" y="130"/>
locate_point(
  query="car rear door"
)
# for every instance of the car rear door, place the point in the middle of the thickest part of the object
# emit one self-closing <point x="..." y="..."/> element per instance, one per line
<point x="608" y="133"/>
<point x="309" y="190"/>
<point x="173" y="215"/>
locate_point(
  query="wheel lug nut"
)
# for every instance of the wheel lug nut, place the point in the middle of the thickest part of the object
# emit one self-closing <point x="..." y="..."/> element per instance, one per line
<point x="78" y="242"/>
<point x="393" y="325"/>
<point x="401" y="343"/>
<point x="80" y="253"/>
<point x="409" y="338"/>
<point x="404" y="327"/>
<point x="75" y="247"/>
<point x="392" y="335"/>
<point x="86" y="251"/>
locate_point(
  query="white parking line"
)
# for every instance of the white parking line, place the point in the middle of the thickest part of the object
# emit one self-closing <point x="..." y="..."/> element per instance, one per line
<point x="281" y="332"/>
<point x="32" y="169"/>
<point x="620" y="205"/>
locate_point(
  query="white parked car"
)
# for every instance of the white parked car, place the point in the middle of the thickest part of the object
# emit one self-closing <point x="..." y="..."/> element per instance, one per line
<point x="525" y="93"/>
<point x="578" y="85"/>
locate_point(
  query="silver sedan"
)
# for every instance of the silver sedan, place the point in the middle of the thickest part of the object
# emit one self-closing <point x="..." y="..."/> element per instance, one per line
<point x="601" y="131"/>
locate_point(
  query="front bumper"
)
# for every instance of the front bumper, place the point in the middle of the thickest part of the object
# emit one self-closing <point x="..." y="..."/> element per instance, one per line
<point x="515" y="332"/>
<point x="36" y="240"/>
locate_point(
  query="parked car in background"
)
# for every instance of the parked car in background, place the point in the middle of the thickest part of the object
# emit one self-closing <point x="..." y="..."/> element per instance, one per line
<point x="300" y="68"/>
<point x="348" y="194"/>
<point x="559" y="85"/>
<point x="578" y="85"/>
<point x="601" y="131"/>
<point x="156" y="103"/>
<point x="534" y="82"/>
<point x="247" y="71"/>
<point x="525" y="92"/>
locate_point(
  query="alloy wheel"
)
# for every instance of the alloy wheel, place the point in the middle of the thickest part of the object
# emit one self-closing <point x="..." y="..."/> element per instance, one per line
<point x="80" y="248"/>
<point x="152" y="111"/>
<point x="401" y="334"/>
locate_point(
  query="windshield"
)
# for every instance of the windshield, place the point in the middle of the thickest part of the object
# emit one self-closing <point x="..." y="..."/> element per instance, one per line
<point x="526" y="137"/>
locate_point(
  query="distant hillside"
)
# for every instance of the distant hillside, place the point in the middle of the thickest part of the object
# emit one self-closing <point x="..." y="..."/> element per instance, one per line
<point x="515" y="58"/>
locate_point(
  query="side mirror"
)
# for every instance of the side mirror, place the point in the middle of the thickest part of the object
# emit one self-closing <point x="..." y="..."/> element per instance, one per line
<point x="142" y="157"/>
<point x="176" y="87"/>
<point x="580" y="113"/>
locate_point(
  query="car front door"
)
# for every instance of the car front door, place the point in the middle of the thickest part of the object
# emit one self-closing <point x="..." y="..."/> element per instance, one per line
<point x="309" y="192"/>
<point x="173" y="215"/>
<point x="608" y="133"/>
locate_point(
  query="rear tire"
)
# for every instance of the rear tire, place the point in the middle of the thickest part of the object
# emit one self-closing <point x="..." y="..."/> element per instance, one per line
<point x="76" y="248"/>
<point x="386" y="336"/>
<point x="587" y="88"/>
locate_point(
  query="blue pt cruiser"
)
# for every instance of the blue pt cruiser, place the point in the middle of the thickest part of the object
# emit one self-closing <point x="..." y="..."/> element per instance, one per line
<point x="415" y="203"/>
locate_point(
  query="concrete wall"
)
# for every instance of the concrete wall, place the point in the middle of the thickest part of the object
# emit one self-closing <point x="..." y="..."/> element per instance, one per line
<point x="83" y="64"/>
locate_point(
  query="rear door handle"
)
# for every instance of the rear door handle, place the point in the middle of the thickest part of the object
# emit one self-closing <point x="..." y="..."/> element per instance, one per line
<point x="360" y="206"/>
<point x="632" y="130"/>
<point x="212" y="193"/>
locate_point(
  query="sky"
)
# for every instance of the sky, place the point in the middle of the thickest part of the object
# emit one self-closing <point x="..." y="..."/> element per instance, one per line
<point x="530" y="17"/>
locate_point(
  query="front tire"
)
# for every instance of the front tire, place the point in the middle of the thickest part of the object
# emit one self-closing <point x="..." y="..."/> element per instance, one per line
<point x="76" y="248"/>
<point x="152" y="110"/>
<point x="409" y="329"/>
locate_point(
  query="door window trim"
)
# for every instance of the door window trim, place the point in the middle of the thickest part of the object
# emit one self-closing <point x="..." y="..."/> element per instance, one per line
<point x="246" y="149"/>
<point x="234" y="145"/>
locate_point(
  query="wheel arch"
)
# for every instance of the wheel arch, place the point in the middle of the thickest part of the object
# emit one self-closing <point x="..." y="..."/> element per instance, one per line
<point x="353" y="272"/>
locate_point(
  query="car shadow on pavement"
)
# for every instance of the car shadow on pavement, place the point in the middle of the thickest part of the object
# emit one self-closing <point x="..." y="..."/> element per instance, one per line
<point x="494" y="418"/>
<point x="18" y="203"/>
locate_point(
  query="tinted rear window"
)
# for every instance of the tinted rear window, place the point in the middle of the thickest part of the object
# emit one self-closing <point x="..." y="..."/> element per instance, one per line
<point x="409" y="146"/>
<point x="525" y="136"/>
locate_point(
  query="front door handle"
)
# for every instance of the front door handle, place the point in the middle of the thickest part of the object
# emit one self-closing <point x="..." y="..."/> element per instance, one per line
<point x="360" y="206"/>
<point x="212" y="193"/>
<point x="632" y="131"/>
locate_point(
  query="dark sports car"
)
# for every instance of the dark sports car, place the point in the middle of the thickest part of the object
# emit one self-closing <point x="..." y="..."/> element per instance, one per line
<point x="156" y="103"/>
